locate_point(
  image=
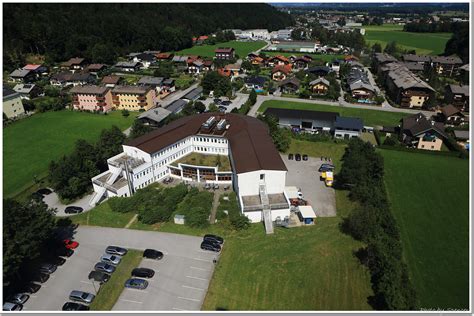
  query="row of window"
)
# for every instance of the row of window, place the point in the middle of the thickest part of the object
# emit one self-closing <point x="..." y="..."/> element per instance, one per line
<point x="211" y="149"/>
<point x="210" y="140"/>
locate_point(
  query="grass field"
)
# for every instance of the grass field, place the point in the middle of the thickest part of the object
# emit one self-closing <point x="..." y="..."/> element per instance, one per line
<point x="30" y="144"/>
<point x="423" y="43"/>
<point x="110" y="291"/>
<point x="323" y="57"/>
<point x="370" y="117"/>
<point x="430" y="200"/>
<point x="241" y="48"/>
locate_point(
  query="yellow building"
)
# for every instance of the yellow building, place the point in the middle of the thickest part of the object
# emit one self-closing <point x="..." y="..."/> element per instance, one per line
<point x="133" y="98"/>
<point x="12" y="105"/>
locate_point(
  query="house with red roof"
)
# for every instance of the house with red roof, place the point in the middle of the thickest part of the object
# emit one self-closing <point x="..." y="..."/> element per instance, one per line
<point x="280" y="73"/>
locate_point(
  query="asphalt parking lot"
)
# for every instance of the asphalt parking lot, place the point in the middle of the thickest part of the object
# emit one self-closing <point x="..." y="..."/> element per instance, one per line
<point x="52" y="200"/>
<point x="180" y="282"/>
<point x="305" y="175"/>
<point x="236" y="103"/>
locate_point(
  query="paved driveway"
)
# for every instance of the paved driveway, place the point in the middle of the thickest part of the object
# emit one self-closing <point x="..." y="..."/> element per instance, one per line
<point x="180" y="282"/>
<point x="305" y="175"/>
<point x="239" y="100"/>
<point x="52" y="200"/>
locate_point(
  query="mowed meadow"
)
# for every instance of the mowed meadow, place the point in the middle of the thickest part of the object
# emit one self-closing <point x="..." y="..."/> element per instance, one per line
<point x="242" y="49"/>
<point x="429" y="196"/>
<point x="423" y="43"/>
<point x="31" y="143"/>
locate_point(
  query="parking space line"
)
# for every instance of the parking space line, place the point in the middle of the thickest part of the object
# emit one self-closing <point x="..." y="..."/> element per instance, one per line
<point x="192" y="277"/>
<point x="137" y="290"/>
<point x="34" y="296"/>
<point x="137" y="302"/>
<point x="179" y="309"/>
<point x="191" y="287"/>
<point x="202" y="259"/>
<point x="86" y="282"/>
<point x="189" y="299"/>
<point x="196" y="268"/>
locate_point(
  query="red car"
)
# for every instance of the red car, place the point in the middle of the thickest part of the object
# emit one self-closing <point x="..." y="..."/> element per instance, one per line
<point x="70" y="244"/>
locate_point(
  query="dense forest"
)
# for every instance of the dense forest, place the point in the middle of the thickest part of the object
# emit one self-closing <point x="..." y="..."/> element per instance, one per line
<point x="425" y="27"/>
<point x="459" y="42"/>
<point x="102" y="32"/>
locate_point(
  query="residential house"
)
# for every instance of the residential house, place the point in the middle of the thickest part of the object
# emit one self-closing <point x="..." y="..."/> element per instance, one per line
<point x="277" y="61"/>
<point x="39" y="70"/>
<point x="74" y="64"/>
<point x="380" y="59"/>
<point x="12" y="105"/>
<point x="28" y="91"/>
<point x="414" y="67"/>
<point x="67" y="78"/>
<point x="154" y="117"/>
<point x="129" y="66"/>
<point x="111" y="81"/>
<point x="256" y="83"/>
<point x="446" y="65"/>
<point x="290" y="85"/>
<point x="22" y="75"/>
<point x="301" y="63"/>
<point x="207" y="65"/>
<point x="195" y="67"/>
<point x="193" y="95"/>
<point x="164" y="56"/>
<point x="451" y="115"/>
<point x="348" y="127"/>
<point x="307" y="120"/>
<point x="168" y="86"/>
<point x="320" y="71"/>
<point x="133" y="98"/>
<point x="319" y="86"/>
<point x="200" y="39"/>
<point x="153" y="82"/>
<point x="423" y="60"/>
<point x="176" y="106"/>
<point x="234" y="69"/>
<point x="457" y="95"/>
<point x="419" y="132"/>
<point x="95" y="69"/>
<point x="146" y="59"/>
<point x="180" y="62"/>
<point x="225" y="53"/>
<point x="280" y="73"/>
<point x="91" y="98"/>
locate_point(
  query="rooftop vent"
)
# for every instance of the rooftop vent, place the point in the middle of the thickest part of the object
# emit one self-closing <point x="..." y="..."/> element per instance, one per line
<point x="210" y="121"/>
<point x="221" y="125"/>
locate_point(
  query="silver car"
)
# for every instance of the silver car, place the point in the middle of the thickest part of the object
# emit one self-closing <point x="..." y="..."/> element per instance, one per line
<point x="104" y="267"/>
<point x="12" y="307"/>
<point x="80" y="296"/>
<point x="48" y="268"/>
<point x="114" y="250"/>
<point x="19" y="298"/>
<point x="135" y="283"/>
<point x="112" y="259"/>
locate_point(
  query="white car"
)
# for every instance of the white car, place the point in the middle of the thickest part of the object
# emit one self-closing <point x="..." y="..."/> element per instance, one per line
<point x="111" y="259"/>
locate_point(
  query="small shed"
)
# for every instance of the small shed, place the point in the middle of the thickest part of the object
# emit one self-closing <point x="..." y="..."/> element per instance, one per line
<point x="291" y="192"/>
<point x="179" y="219"/>
<point x="306" y="214"/>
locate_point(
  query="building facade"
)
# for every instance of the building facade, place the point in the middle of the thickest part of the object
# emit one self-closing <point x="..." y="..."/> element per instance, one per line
<point x="12" y="105"/>
<point x="133" y="98"/>
<point x="91" y="98"/>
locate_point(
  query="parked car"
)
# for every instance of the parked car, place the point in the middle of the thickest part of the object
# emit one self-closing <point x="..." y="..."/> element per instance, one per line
<point x="99" y="276"/>
<point x="64" y="252"/>
<point x="111" y="259"/>
<point x="326" y="167"/>
<point x="152" y="254"/>
<point x="226" y="103"/>
<point x="70" y="244"/>
<point x="44" y="191"/>
<point x="305" y="157"/>
<point x="206" y="245"/>
<point x="72" y="306"/>
<point x="48" y="268"/>
<point x="12" y="307"/>
<point x="143" y="272"/>
<point x="40" y="277"/>
<point x="297" y="157"/>
<point x="73" y="210"/>
<point x="37" y="196"/>
<point x="290" y="156"/>
<point x="217" y="101"/>
<point x="81" y="296"/>
<point x="104" y="267"/>
<point x="31" y="288"/>
<point x="114" y="250"/>
<point x="213" y="238"/>
<point x="58" y="261"/>
<point x="135" y="283"/>
<point x="222" y="109"/>
<point x="19" y="298"/>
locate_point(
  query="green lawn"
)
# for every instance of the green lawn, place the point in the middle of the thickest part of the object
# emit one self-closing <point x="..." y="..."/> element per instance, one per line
<point x="423" y="43"/>
<point x="222" y="161"/>
<point x="241" y="48"/>
<point x="102" y="215"/>
<point x="370" y="117"/>
<point x="110" y="291"/>
<point x="324" y="57"/>
<point x="30" y="144"/>
<point x="429" y="195"/>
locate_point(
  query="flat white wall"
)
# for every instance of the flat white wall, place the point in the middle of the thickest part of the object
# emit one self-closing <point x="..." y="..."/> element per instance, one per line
<point x="254" y="217"/>
<point x="341" y="133"/>
<point x="249" y="182"/>
<point x="282" y="213"/>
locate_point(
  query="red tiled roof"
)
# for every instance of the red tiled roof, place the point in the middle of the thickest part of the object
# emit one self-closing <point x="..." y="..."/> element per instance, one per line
<point x="286" y="69"/>
<point x="111" y="80"/>
<point x="31" y="67"/>
<point x="282" y="58"/>
<point x="224" y="50"/>
<point x="164" y="55"/>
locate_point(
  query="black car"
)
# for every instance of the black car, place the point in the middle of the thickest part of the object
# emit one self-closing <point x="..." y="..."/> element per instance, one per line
<point x="99" y="276"/>
<point x="326" y="167"/>
<point x="32" y="288"/>
<point x="297" y="157"/>
<point x="305" y="157"/>
<point x="73" y="210"/>
<point x="143" y="273"/>
<point x="217" y="101"/>
<point x="226" y="103"/>
<point x="64" y="252"/>
<point x="290" y="156"/>
<point x="37" y="196"/>
<point x="40" y="277"/>
<point x="214" y="239"/>
<point x="206" y="245"/>
<point x="44" y="191"/>
<point x="71" y="306"/>
<point x="152" y="254"/>
<point x="222" y="109"/>
<point x="59" y="261"/>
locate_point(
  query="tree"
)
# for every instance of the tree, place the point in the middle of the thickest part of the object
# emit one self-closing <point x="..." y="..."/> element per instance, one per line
<point x="246" y="65"/>
<point x="253" y="97"/>
<point x="26" y="230"/>
<point x="376" y="48"/>
<point x="102" y="52"/>
<point x="209" y="81"/>
<point x="165" y="69"/>
<point x="213" y="107"/>
<point x="125" y="113"/>
<point x="139" y="129"/>
<point x="391" y="48"/>
<point x="199" y="107"/>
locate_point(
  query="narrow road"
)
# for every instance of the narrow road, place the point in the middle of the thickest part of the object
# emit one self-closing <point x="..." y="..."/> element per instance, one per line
<point x="177" y="95"/>
<point x="215" y="204"/>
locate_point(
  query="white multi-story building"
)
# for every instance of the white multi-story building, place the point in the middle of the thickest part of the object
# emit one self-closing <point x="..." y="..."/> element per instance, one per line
<point x="257" y="172"/>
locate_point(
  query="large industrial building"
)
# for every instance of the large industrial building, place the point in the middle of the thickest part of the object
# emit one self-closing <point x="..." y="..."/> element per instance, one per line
<point x="181" y="149"/>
